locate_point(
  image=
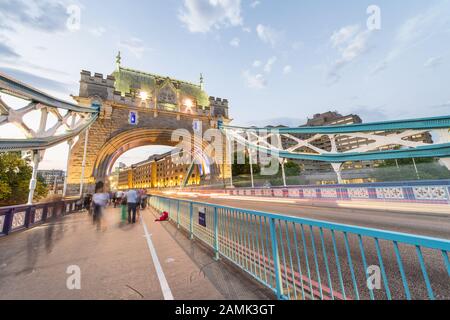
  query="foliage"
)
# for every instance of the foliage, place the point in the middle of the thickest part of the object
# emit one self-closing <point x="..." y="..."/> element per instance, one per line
<point x="15" y="175"/>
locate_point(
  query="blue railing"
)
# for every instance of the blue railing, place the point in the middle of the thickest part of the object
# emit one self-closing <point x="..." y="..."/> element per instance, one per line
<point x="310" y="259"/>
<point x="22" y="217"/>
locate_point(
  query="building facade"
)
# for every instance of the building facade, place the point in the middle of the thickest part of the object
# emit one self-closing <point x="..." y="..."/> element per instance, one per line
<point x="54" y="179"/>
<point x="159" y="171"/>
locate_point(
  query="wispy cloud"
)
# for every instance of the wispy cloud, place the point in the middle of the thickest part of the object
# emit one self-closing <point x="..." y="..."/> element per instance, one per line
<point x="254" y="81"/>
<point x="45" y="15"/>
<point x="287" y="69"/>
<point x="269" y="64"/>
<point x="351" y="42"/>
<point x="98" y="31"/>
<point x="255" y="3"/>
<point x="203" y="15"/>
<point x="433" y="62"/>
<point x="414" y="31"/>
<point x="268" y="35"/>
<point x="135" y="45"/>
<point x="7" y="52"/>
<point x="257" y="63"/>
<point x="235" y="42"/>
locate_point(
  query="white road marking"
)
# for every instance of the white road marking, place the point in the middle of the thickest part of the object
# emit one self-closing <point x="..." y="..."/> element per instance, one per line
<point x="167" y="293"/>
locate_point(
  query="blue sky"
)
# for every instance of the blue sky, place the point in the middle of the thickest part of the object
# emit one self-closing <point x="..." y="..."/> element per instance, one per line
<point x="276" y="61"/>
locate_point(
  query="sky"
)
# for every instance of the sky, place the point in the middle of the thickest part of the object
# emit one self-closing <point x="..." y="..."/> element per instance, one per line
<point x="277" y="62"/>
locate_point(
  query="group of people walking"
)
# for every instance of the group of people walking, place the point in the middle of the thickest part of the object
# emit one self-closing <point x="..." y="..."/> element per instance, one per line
<point x="131" y="202"/>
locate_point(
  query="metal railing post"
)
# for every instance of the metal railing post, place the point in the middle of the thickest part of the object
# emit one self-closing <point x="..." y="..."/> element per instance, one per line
<point x="276" y="259"/>
<point x="216" y="235"/>
<point x="178" y="214"/>
<point x="191" y="220"/>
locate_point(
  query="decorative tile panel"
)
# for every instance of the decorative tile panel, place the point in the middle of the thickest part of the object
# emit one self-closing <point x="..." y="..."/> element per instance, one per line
<point x="38" y="214"/>
<point x="328" y="193"/>
<point x="430" y="193"/>
<point x="390" y="193"/>
<point x="2" y="223"/>
<point x="278" y="193"/>
<point x="294" y="193"/>
<point x="310" y="193"/>
<point x="18" y="219"/>
<point x="358" y="193"/>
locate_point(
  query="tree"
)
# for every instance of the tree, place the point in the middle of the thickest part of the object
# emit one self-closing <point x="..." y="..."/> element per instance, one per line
<point x="15" y="175"/>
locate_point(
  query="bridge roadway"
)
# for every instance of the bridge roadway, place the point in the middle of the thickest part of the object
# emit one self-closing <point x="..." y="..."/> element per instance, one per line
<point x="116" y="263"/>
<point x="421" y="219"/>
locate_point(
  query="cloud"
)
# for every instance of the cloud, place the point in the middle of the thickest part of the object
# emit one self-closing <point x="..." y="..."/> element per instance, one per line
<point x="203" y="15"/>
<point x="44" y="15"/>
<point x="445" y="105"/>
<point x="37" y="81"/>
<point x="414" y="31"/>
<point x="135" y="45"/>
<point x="433" y="62"/>
<point x="257" y="63"/>
<point x="97" y="32"/>
<point x="255" y="81"/>
<point x="287" y="69"/>
<point x="269" y="64"/>
<point x="255" y="3"/>
<point x="370" y="114"/>
<point x="7" y="52"/>
<point x="235" y="42"/>
<point x="351" y="42"/>
<point x="268" y="35"/>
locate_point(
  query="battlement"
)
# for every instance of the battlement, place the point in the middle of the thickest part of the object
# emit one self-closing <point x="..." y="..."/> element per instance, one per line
<point x="97" y="78"/>
<point x="218" y="102"/>
<point x="96" y="85"/>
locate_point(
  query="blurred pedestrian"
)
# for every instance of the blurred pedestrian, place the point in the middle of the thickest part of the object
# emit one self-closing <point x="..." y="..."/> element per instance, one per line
<point x="132" y="203"/>
<point x="123" y="206"/>
<point x="100" y="200"/>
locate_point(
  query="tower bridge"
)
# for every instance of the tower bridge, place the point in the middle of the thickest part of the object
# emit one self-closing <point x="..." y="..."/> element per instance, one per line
<point x="138" y="109"/>
<point x="290" y="254"/>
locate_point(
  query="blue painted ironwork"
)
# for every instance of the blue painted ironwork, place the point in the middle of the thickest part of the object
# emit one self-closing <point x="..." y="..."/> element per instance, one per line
<point x="33" y="215"/>
<point x="395" y="125"/>
<point x="273" y="255"/>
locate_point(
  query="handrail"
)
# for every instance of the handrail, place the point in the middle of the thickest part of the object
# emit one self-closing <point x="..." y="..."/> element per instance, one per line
<point x="24" y="91"/>
<point x="421" y="123"/>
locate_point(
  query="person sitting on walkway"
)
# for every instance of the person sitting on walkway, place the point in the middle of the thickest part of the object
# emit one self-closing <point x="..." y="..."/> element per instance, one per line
<point x="164" y="217"/>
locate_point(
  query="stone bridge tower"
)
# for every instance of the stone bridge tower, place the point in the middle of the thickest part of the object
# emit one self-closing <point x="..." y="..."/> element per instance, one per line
<point x="138" y="109"/>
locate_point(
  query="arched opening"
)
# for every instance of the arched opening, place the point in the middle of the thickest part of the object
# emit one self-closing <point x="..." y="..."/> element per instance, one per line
<point x="127" y="141"/>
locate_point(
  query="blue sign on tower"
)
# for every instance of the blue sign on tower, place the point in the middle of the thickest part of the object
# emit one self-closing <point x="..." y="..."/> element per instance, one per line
<point x="132" y="118"/>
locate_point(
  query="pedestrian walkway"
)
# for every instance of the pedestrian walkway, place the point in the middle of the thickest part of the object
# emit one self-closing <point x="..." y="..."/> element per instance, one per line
<point x="148" y="260"/>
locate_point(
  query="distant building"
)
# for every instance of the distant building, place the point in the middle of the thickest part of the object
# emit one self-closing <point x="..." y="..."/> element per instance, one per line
<point x="54" y="179"/>
<point x="356" y="171"/>
<point x="158" y="171"/>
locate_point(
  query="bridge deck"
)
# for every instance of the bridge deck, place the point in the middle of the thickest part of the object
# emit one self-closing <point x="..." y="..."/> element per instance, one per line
<point x="115" y="263"/>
